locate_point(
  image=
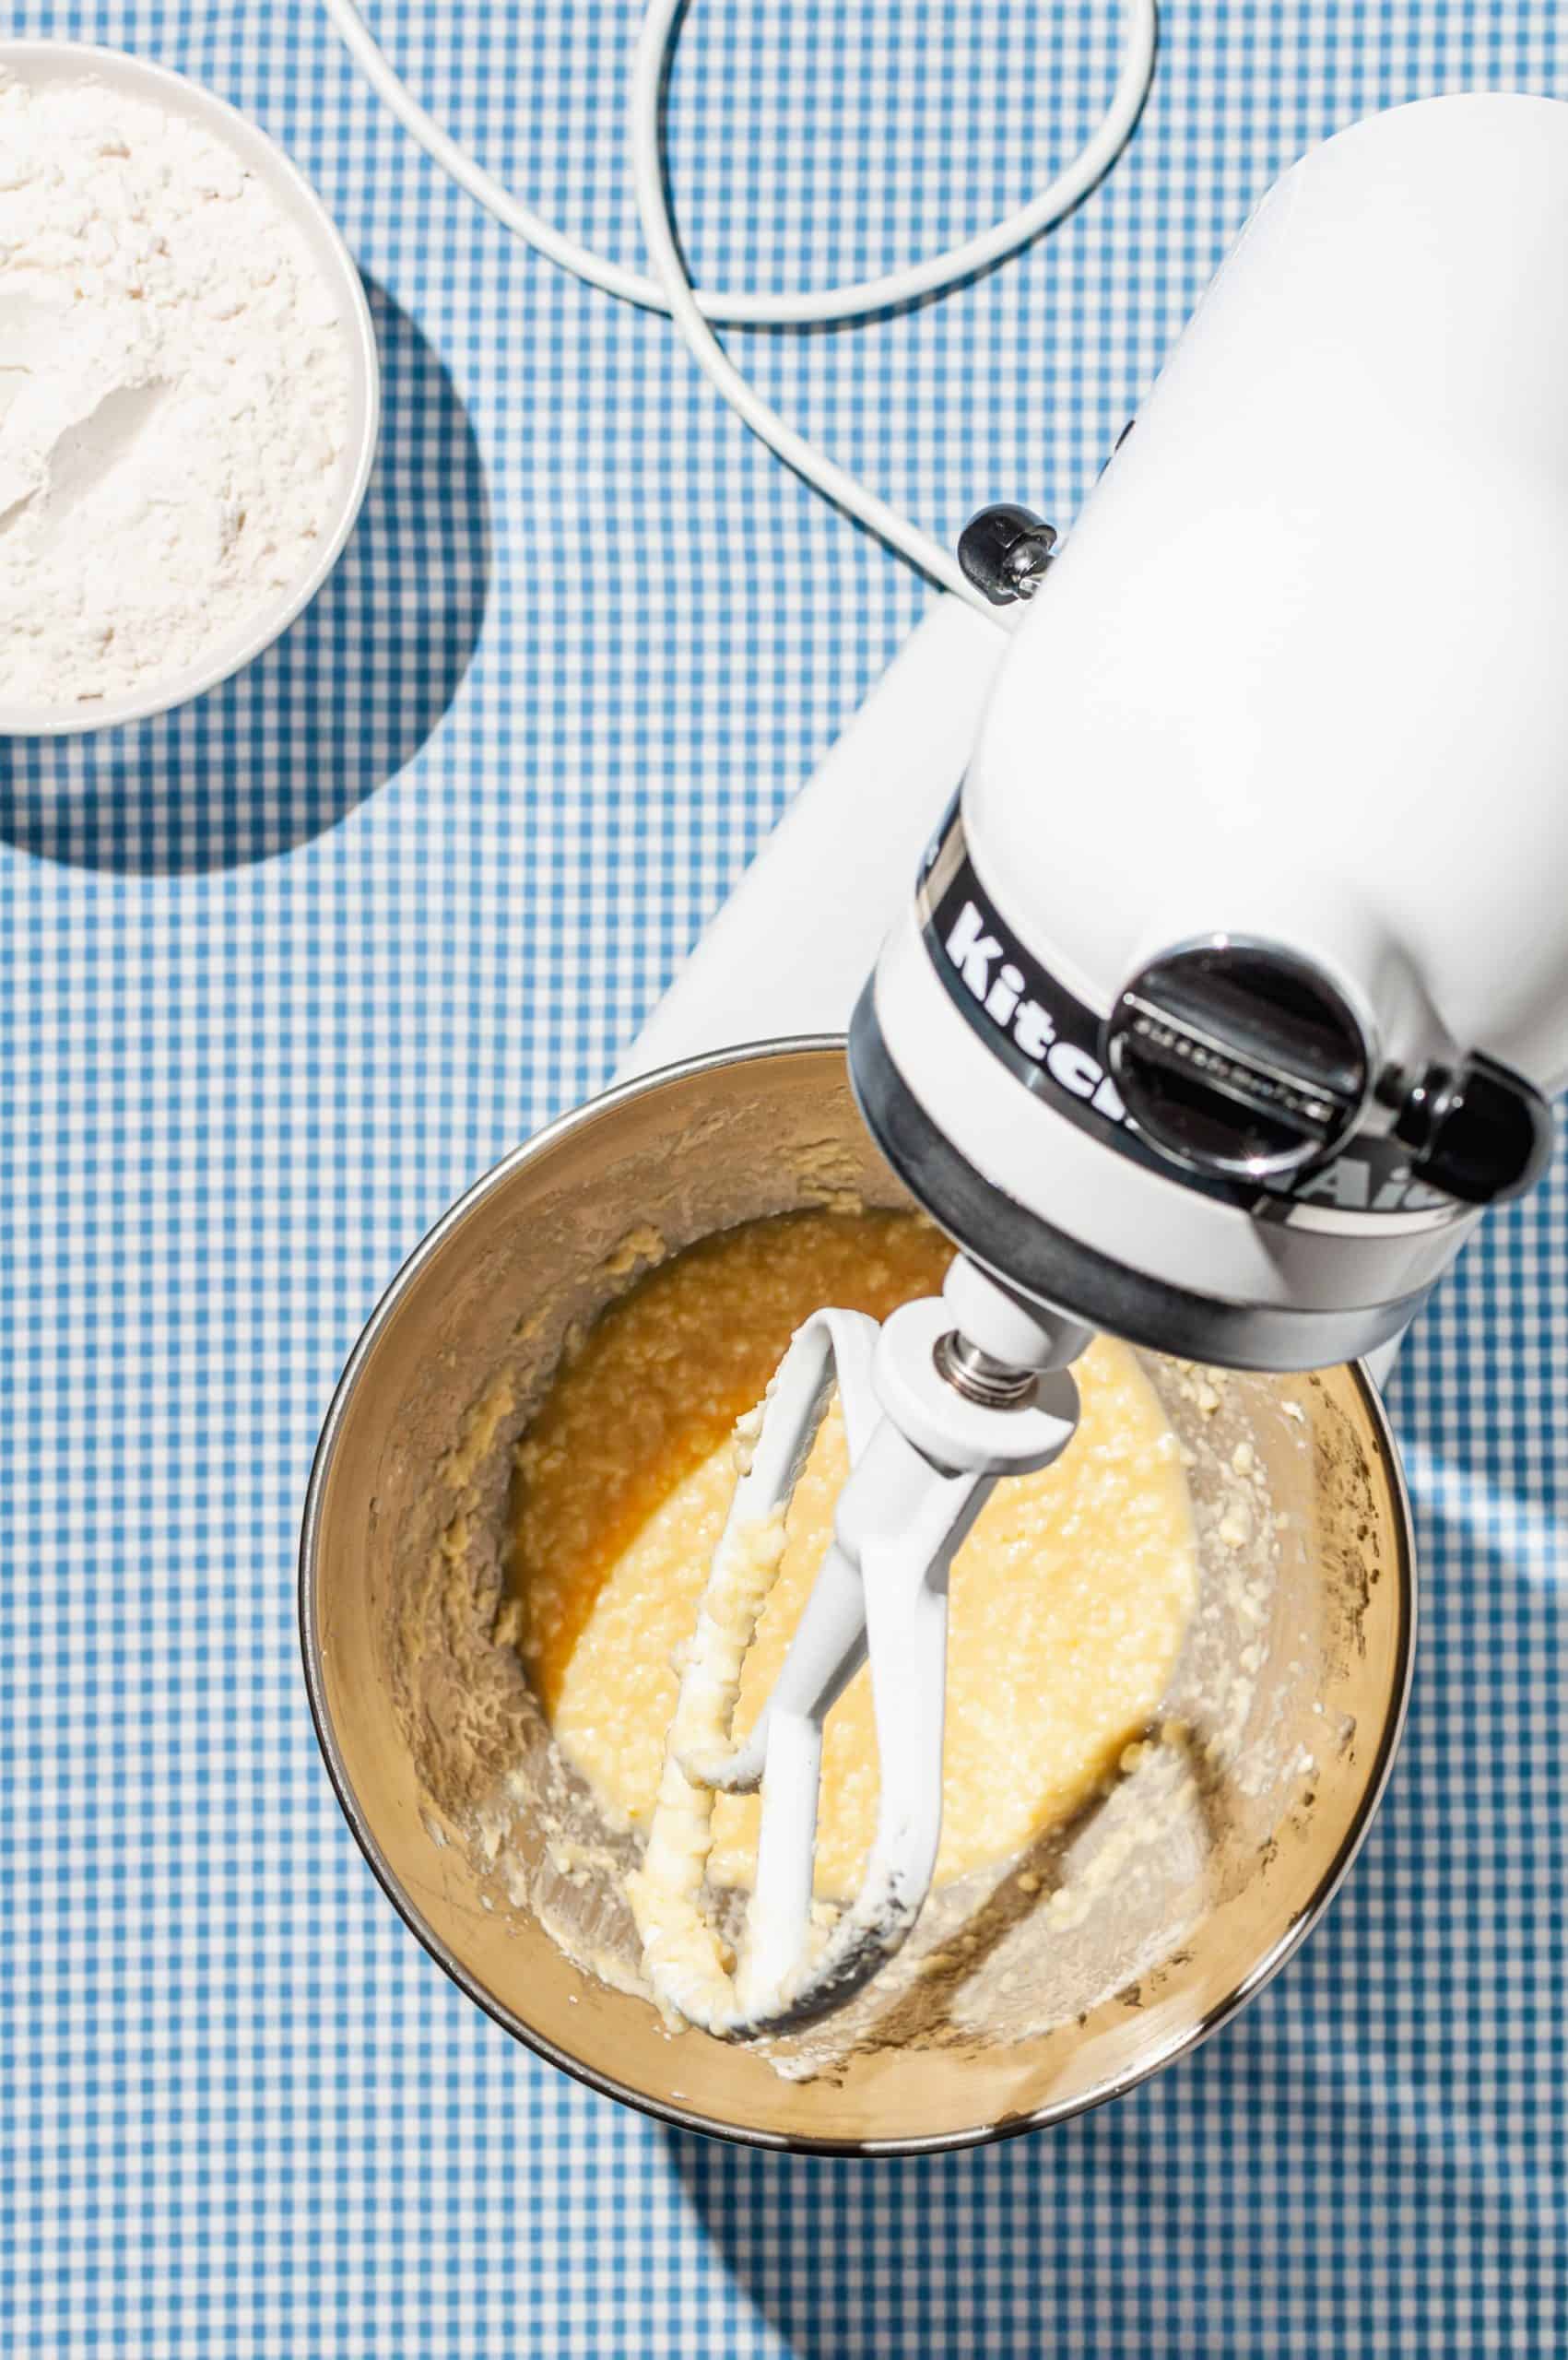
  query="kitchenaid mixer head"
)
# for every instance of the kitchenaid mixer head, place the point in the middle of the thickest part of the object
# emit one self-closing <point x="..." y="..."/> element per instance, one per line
<point x="1222" y="1165"/>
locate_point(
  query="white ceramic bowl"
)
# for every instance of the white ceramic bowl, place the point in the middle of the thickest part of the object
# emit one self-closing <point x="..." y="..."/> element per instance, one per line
<point x="44" y="61"/>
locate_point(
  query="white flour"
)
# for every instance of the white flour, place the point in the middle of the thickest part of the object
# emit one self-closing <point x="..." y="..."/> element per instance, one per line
<point x="173" y="395"/>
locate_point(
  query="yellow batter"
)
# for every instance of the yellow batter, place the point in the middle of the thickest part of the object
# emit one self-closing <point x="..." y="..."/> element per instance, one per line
<point x="1069" y="1600"/>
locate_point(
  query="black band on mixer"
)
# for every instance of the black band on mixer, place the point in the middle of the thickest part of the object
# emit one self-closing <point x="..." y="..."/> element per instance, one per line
<point x="1053" y="1042"/>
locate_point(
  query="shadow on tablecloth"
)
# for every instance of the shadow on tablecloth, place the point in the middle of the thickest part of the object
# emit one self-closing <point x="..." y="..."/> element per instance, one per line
<point x="1342" y="2170"/>
<point x="338" y="706"/>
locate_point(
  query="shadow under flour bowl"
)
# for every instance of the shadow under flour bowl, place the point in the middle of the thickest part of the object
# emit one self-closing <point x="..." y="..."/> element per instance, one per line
<point x="1129" y="1934"/>
<point x="93" y="320"/>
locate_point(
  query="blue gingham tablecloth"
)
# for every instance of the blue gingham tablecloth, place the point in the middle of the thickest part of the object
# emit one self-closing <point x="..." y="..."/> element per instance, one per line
<point x="282" y="974"/>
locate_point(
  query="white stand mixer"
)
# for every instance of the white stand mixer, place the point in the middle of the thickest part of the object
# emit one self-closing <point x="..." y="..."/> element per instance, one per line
<point x="1234" y="977"/>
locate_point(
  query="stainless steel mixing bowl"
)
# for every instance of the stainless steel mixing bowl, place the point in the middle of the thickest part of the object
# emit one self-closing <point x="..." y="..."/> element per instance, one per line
<point x="1037" y="2012"/>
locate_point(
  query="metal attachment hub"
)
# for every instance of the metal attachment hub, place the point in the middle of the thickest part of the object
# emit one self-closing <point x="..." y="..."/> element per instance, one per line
<point x="979" y="1378"/>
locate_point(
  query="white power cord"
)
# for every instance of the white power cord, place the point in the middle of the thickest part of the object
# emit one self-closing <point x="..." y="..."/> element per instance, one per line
<point x="692" y="308"/>
<point x="654" y="44"/>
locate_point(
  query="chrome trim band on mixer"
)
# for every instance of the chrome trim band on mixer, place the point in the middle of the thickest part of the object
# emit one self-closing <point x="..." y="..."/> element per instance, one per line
<point x="1030" y="1254"/>
<point x="1053" y="1043"/>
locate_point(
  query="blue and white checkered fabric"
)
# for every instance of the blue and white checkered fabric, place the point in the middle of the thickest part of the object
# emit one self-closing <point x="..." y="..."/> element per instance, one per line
<point x="280" y="975"/>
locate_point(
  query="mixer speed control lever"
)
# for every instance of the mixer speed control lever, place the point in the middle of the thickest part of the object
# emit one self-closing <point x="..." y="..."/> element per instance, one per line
<point x="1478" y="1131"/>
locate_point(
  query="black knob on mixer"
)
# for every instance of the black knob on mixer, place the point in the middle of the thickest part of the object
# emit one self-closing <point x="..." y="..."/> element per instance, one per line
<point x="1476" y="1130"/>
<point x="1005" y="551"/>
<point x="1238" y="1059"/>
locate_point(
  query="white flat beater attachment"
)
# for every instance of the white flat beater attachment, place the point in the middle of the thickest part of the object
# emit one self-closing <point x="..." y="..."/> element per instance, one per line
<point x="949" y="1394"/>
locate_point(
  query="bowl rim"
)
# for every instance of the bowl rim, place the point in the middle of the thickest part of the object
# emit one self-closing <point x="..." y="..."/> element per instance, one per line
<point x="258" y="147"/>
<point x="679" y="2118"/>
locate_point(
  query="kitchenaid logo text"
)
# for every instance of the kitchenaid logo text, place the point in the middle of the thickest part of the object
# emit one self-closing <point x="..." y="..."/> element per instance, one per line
<point x="1000" y="986"/>
<point x="997" y="984"/>
<point x="1051" y="1040"/>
